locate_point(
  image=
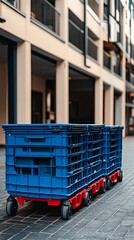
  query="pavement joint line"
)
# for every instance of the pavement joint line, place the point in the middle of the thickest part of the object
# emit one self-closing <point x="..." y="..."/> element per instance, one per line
<point x="102" y="224"/>
<point x="117" y="226"/>
<point x="127" y="232"/>
<point x="7" y="228"/>
<point x="26" y="235"/>
<point x="18" y="233"/>
<point x="46" y="216"/>
<point x="34" y="213"/>
<point x="83" y="212"/>
<point x="107" y="221"/>
<point x="77" y="224"/>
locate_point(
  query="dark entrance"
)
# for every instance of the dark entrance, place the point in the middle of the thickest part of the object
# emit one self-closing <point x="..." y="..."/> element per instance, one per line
<point x="81" y="97"/>
<point x="36" y="107"/>
<point x="8" y="74"/>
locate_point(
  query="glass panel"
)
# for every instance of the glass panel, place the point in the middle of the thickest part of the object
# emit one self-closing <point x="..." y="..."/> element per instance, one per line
<point x="92" y="49"/>
<point x="76" y="33"/>
<point x="94" y="5"/>
<point x="107" y="60"/>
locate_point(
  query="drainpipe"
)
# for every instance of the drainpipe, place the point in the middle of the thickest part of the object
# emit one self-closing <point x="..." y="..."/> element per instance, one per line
<point x="85" y="34"/>
<point x="108" y="21"/>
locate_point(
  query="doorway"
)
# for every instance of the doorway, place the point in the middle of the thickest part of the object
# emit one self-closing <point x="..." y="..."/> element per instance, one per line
<point x="37" y="104"/>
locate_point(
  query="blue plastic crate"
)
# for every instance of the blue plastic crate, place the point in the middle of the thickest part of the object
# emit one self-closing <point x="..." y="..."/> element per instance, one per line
<point x="94" y="151"/>
<point x="112" y="149"/>
<point x="94" y="139"/>
<point x="94" y="170"/>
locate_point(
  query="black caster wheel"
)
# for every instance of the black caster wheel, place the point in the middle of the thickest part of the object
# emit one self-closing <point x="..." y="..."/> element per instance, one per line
<point x="104" y="188"/>
<point x="120" y="178"/>
<point x="11" y="206"/>
<point x="109" y="184"/>
<point x="66" y="210"/>
<point x="89" y="197"/>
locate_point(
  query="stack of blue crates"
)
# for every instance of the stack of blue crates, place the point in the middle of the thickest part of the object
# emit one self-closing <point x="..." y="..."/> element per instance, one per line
<point x="45" y="160"/>
<point x="112" y="149"/>
<point x="55" y="161"/>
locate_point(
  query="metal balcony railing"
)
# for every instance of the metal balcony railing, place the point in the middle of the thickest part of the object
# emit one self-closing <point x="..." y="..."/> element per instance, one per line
<point x="132" y="51"/>
<point x="47" y="14"/>
<point x="105" y="13"/>
<point x="92" y="49"/>
<point x="132" y="79"/>
<point x="94" y="5"/>
<point x="15" y="3"/>
<point x="129" y="76"/>
<point x="107" y="60"/>
<point x="76" y="35"/>
<point x="118" y="69"/>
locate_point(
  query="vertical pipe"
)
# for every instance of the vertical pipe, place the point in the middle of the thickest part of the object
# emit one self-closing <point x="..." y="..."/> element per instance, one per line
<point x="108" y="22"/>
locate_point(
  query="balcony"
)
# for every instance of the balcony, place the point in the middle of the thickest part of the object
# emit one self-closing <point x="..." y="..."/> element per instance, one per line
<point x="46" y="13"/>
<point x="76" y="32"/>
<point x="105" y="14"/>
<point x="107" y="60"/>
<point x="15" y="3"/>
<point x="118" y="69"/>
<point x="76" y="35"/>
<point x="129" y="76"/>
<point x="128" y="46"/>
<point x="94" y="6"/>
<point x="132" y="51"/>
<point x="92" y="49"/>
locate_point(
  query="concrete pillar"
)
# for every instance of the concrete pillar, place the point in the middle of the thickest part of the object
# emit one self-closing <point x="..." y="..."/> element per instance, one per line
<point x="109" y="105"/>
<point x="62" y="92"/>
<point x="99" y="101"/>
<point x="24" y="83"/>
<point x="99" y="82"/>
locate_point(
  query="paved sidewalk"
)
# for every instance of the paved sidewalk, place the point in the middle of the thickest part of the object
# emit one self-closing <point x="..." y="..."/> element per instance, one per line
<point x="110" y="216"/>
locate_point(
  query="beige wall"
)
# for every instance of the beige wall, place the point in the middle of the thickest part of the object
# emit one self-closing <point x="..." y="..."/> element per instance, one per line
<point x="29" y="33"/>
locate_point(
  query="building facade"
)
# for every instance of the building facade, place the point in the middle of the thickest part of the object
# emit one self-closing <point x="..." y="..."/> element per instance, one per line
<point x="67" y="61"/>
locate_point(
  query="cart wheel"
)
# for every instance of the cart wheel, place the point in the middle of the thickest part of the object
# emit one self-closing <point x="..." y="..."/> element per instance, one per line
<point x="11" y="206"/>
<point x="66" y="210"/>
<point x="120" y="178"/>
<point x="89" y="197"/>
<point x="109" y="184"/>
<point x="104" y="188"/>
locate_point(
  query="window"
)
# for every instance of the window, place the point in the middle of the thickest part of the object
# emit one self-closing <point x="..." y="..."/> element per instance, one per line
<point x="94" y="5"/>
<point x="15" y="3"/>
<point x="76" y="32"/>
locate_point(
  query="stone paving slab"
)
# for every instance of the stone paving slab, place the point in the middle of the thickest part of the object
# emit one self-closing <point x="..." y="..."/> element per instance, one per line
<point x="109" y="217"/>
